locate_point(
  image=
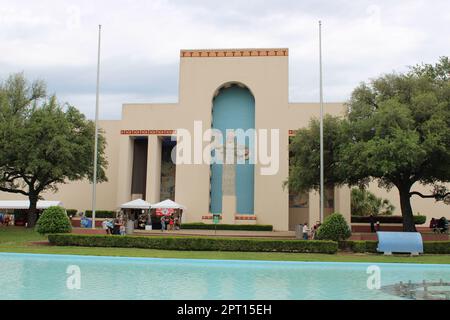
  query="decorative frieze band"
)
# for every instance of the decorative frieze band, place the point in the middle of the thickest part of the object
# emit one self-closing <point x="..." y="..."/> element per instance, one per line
<point x="167" y="132"/>
<point x="284" y="52"/>
<point x="210" y="217"/>
<point x="236" y="217"/>
<point x="245" y="217"/>
<point x="148" y="132"/>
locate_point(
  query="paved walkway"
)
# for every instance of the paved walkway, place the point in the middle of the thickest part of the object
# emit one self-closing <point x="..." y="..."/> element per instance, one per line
<point x="249" y="234"/>
<point x="220" y="233"/>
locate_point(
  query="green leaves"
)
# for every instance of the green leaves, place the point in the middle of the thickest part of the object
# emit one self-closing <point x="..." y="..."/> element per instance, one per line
<point x="305" y="155"/>
<point x="334" y="228"/>
<point x="365" y="203"/>
<point x="54" y="220"/>
<point x="396" y="131"/>
<point x="43" y="143"/>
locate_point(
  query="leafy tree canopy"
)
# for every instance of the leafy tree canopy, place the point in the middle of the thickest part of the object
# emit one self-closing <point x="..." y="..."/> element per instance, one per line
<point x="42" y="143"/>
<point x="365" y="203"/>
<point x="396" y="131"/>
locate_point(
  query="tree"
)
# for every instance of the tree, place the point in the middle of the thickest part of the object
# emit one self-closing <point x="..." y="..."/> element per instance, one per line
<point x="42" y="143"/>
<point x="304" y="162"/>
<point x="396" y="132"/>
<point x="365" y="203"/>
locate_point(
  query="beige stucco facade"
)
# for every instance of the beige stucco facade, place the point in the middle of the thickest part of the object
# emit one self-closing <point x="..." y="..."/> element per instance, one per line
<point x="202" y="73"/>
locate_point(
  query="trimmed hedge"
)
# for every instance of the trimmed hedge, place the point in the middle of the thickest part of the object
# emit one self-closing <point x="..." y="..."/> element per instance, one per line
<point x="387" y="219"/>
<point x="358" y="246"/>
<point x="101" y="214"/>
<point x="72" y="212"/>
<point x="434" y="247"/>
<point x="195" y="243"/>
<point x="245" y="227"/>
<point x="429" y="247"/>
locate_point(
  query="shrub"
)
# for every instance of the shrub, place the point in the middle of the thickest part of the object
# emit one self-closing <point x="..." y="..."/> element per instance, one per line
<point x="334" y="228"/>
<point x="418" y="219"/>
<point x="358" y="246"/>
<point x="429" y="247"/>
<point x="246" y="227"/>
<point x="195" y="243"/>
<point x="101" y="214"/>
<point x="434" y="247"/>
<point x="53" y="220"/>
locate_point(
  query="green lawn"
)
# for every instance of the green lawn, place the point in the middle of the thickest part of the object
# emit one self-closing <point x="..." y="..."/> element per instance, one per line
<point x="20" y="240"/>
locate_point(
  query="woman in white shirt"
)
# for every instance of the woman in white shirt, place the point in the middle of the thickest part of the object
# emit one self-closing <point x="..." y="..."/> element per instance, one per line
<point x="305" y="231"/>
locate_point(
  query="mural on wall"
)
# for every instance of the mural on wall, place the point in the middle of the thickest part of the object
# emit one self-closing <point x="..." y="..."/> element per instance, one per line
<point x="298" y="200"/>
<point x="168" y="168"/>
<point x="233" y="108"/>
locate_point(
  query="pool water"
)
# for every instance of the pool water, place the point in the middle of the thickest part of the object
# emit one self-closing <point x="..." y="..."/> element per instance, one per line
<point x="29" y="276"/>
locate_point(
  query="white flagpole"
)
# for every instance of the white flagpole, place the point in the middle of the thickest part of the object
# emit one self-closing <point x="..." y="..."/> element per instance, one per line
<point x="94" y="182"/>
<point x="321" y="129"/>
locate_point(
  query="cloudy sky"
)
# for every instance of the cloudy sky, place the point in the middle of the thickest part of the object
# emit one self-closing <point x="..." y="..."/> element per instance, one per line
<point x="57" y="41"/>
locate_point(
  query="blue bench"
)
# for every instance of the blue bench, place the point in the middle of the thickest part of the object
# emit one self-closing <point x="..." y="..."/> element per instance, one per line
<point x="400" y="242"/>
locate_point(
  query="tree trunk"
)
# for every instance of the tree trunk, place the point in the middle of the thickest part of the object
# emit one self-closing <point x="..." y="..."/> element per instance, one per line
<point x="32" y="211"/>
<point x="407" y="213"/>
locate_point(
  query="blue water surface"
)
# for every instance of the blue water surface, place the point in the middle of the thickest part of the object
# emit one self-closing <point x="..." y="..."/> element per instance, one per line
<point x="35" y="276"/>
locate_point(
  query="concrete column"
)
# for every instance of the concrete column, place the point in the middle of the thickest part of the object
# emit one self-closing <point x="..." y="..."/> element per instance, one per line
<point x="125" y="170"/>
<point x="228" y="209"/>
<point x="314" y="207"/>
<point x="153" y="170"/>
<point x="342" y="202"/>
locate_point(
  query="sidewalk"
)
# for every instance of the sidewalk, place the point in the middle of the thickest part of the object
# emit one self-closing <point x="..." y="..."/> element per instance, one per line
<point x="221" y="233"/>
<point x="209" y="233"/>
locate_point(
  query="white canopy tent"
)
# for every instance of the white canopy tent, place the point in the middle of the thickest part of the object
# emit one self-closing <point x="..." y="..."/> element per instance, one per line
<point x="168" y="204"/>
<point x="134" y="219"/>
<point x="25" y="204"/>
<point x="137" y="204"/>
<point x="167" y="207"/>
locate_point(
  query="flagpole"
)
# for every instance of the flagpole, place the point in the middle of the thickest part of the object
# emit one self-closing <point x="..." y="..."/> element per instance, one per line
<point x="321" y="128"/>
<point x="94" y="182"/>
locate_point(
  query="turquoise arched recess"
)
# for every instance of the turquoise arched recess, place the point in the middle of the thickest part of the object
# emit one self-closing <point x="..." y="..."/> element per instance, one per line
<point x="234" y="108"/>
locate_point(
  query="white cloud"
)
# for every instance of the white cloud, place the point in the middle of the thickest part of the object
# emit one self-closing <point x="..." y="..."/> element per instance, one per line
<point x="57" y="41"/>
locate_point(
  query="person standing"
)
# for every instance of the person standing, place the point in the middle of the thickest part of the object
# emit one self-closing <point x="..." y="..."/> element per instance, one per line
<point x="314" y="230"/>
<point x="163" y="223"/>
<point x="122" y="229"/>
<point x="171" y="223"/>
<point x="372" y="223"/>
<point x="105" y="226"/>
<point x="378" y="226"/>
<point x="305" y="231"/>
